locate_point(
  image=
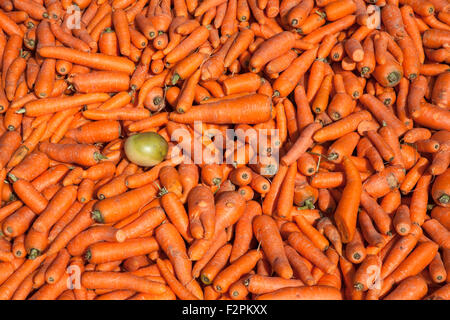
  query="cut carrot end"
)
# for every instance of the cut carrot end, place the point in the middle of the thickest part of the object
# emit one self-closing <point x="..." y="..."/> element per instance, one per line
<point x="97" y="216"/>
<point x="444" y="199"/>
<point x="34" y="253"/>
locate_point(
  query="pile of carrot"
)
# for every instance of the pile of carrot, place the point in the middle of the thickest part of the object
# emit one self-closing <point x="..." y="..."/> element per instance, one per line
<point x="351" y="200"/>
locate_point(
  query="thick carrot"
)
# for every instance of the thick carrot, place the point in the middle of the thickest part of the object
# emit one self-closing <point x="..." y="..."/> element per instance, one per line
<point x="366" y="276"/>
<point x="440" y="294"/>
<point x="9" y="142"/>
<point x="201" y="212"/>
<point x="92" y="60"/>
<point x="250" y="109"/>
<point x="120" y="280"/>
<point x="419" y="199"/>
<point x="440" y="190"/>
<point x="303" y="293"/>
<point x="190" y="43"/>
<point x="355" y="251"/>
<point x="286" y="194"/>
<point x="216" y="264"/>
<point x="101" y="252"/>
<point x="412" y="288"/>
<point x="437" y="232"/>
<point x="29" y="195"/>
<point x="258" y="284"/>
<point x="118" y="207"/>
<point x="81" y="154"/>
<point x="100" y="81"/>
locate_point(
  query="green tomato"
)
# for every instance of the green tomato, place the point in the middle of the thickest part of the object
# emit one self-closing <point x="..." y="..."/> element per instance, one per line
<point x="146" y="149"/>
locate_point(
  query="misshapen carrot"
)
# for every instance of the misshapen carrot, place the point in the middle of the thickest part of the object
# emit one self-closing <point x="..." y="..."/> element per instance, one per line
<point x="172" y="244"/>
<point x="243" y="230"/>
<point x="347" y="208"/>
<point x="265" y="52"/>
<point x="306" y="248"/>
<point x="267" y="234"/>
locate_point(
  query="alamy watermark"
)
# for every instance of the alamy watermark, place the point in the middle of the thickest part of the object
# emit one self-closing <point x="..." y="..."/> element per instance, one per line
<point x="374" y="19"/>
<point x="73" y="20"/>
